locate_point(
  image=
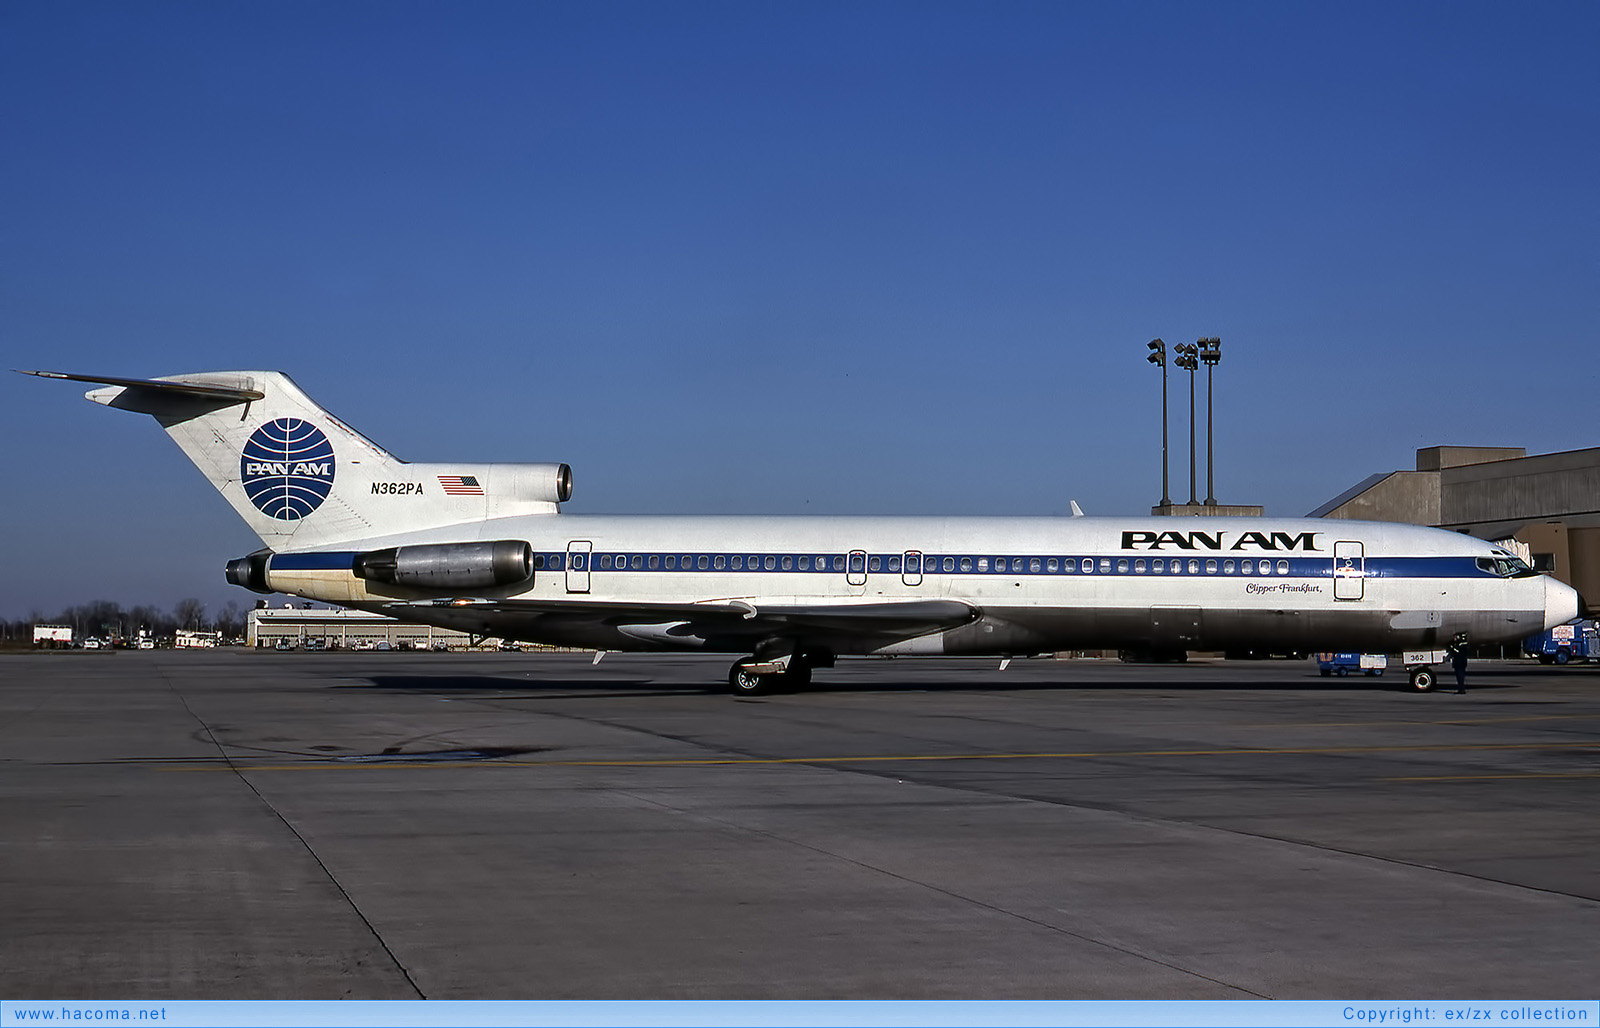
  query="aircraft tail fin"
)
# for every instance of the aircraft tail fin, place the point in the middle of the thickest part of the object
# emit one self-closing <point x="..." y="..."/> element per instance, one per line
<point x="301" y="478"/>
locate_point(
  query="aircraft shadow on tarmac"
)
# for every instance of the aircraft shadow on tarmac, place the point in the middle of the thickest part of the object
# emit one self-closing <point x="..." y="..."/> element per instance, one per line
<point x="542" y="688"/>
<point x="569" y="687"/>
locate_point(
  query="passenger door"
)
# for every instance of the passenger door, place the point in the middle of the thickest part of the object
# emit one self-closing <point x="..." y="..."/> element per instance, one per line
<point x="1349" y="570"/>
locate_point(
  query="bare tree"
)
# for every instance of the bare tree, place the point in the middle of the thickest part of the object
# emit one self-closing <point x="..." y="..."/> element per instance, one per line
<point x="190" y="613"/>
<point x="230" y="622"/>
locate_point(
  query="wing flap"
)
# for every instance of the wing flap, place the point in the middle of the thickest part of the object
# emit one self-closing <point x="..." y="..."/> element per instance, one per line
<point x="731" y="617"/>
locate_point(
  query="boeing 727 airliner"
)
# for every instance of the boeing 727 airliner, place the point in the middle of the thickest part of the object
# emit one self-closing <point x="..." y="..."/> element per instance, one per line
<point x="483" y="548"/>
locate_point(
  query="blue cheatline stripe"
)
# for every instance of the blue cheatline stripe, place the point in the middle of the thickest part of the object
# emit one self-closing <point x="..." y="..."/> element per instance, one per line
<point x="1011" y="566"/>
<point x="337" y="561"/>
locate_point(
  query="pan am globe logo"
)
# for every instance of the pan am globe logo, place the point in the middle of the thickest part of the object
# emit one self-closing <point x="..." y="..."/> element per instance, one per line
<point x="287" y="468"/>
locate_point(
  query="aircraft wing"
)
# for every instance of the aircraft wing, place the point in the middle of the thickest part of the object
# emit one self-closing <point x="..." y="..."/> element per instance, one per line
<point x="888" y="621"/>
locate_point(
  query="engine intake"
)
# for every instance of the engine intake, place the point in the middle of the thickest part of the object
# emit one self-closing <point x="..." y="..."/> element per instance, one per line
<point x="250" y="571"/>
<point x="449" y="565"/>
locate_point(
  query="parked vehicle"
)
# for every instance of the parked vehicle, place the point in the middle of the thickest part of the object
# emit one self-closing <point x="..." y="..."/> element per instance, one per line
<point x="1575" y="640"/>
<point x="1342" y="664"/>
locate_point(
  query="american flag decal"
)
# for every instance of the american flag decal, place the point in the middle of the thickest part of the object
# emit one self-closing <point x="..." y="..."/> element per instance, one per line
<point x="460" y="485"/>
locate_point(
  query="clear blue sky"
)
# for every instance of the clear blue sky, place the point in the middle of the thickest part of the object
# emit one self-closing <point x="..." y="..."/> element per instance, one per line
<point x="791" y="258"/>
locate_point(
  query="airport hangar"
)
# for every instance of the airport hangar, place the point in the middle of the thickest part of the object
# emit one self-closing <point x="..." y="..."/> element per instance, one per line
<point x="1547" y="505"/>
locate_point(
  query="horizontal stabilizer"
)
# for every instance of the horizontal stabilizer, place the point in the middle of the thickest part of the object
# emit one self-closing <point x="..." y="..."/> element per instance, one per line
<point x="198" y="391"/>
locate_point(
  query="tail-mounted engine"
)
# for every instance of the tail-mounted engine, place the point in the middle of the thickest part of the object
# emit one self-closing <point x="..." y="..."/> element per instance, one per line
<point x="251" y="571"/>
<point x="445" y="565"/>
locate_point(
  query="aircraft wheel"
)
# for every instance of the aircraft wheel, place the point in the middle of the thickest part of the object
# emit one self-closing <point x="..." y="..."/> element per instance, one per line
<point x="743" y="682"/>
<point x="1422" y="679"/>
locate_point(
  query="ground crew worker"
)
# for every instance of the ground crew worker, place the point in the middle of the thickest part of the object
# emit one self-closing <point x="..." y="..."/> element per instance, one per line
<point x="1458" y="663"/>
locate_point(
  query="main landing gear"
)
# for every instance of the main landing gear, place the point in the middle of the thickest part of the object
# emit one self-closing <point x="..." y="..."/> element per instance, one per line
<point x="752" y="677"/>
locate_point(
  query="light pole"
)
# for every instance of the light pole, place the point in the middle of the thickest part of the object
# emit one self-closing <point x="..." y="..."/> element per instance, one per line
<point x="1188" y="361"/>
<point x="1158" y="355"/>
<point x="1211" y="353"/>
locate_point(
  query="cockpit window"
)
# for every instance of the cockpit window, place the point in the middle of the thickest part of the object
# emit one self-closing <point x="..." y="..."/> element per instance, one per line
<point x="1505" y="566"/>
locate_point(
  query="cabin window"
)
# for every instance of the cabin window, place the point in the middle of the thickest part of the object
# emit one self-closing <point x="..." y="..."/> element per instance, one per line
<point x="1194" y="567"/>
<point x="1105" y="565"/>
<point x="655" y="562"/>
<point x="605" y="561"/>
<point x="1156" y="567"/>
<point x="949" y="563"/>
<point x="1227" y="567"/>
<point x="719" y="562"/>
<point x="966" y="563"/>
<point x="838" y="563"/>
<point x="1138" y="567"/>
<point x="875" y="564"/>
<point x="1283" y="567"/>
<point x="738" y="562"/>
<point x="983" y="564"/>
<point x="1033" y="565"/>
<point x="1211" y="567"/>
<point x="538" y="562"/>
<point x="805" y="563"/>
<point x="672" y="562"/>
<point x="894" y="563"/>
<point x="702" y="562"/>
<point x="1087" y="566"/>
<point x="769" y="562"/>
<point x="788" y="563"/>
<point x="637" y="563"/>
<point x="1122" y="566"/>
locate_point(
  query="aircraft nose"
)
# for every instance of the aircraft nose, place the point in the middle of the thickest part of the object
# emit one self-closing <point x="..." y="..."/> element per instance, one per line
<point x="1561" y="603"/>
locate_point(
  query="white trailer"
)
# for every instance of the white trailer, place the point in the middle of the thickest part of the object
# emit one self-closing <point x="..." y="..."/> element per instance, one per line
<point x="53" y="636"/>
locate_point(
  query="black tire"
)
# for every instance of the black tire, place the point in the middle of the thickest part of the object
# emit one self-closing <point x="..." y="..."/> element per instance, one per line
<point x="1423" y="679"/>
<point x="745" y="683"/>
<point x="1545" y="658"/>
<point x="1562" y="656"/>
<point x="1342" y="672"/>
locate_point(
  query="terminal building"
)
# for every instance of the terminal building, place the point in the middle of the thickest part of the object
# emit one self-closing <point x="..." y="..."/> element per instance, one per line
<point x="334" y="628"/>
<point x="1546" y="507"/>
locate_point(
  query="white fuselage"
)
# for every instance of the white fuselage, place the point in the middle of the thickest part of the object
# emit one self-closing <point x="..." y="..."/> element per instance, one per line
<point x="1036" y="584"/>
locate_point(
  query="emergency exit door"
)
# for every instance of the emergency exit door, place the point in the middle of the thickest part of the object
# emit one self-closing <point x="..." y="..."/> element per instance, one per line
<point x="578" y="553"/>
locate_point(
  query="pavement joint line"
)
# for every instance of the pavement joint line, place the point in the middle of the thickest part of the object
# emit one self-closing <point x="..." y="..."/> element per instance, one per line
<point x="338" y="763"/>
<point x="953" y="894"/>
<point x="1447" y="721"/>
<point x="1491" y="778"/>
<point x="232" y="768"/>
